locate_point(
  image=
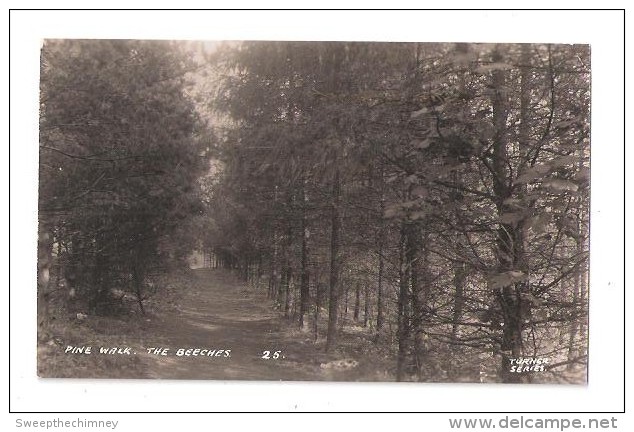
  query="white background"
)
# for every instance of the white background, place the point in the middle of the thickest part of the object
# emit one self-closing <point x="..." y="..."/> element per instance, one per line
<point x="603" y="30"/>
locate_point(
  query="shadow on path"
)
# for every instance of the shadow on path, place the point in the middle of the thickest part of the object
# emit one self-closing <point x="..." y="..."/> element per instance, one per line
<point x="219" y="313"/>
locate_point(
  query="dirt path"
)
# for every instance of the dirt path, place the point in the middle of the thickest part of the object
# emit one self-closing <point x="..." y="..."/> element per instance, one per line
<point x="219" y="313"/>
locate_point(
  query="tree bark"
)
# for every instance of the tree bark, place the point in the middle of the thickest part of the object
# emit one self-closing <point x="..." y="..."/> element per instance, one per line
<point x="137" y="279"/>
<point x="417" y="261"/>
<point x="458" y="298"/>
<point x="346" y="296"/>
<point x="288" y="271"/>
<point x="403" y="319"/>
<point x="318" y="299"/>
<point x="44" y="264"/>
<point x="334" y="286"/>
<point x="357" y="302"/>
<point x="509" y="238"/>
<point x="381" y="251"/>
<point x="305" y="275"/>
<point x="366" y="305"/>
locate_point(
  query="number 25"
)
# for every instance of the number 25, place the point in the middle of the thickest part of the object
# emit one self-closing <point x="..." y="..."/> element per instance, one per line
<point x="267" y="355"/>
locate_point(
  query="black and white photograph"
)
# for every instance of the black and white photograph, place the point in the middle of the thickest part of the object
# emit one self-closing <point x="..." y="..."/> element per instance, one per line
<point x="314" y="211"/>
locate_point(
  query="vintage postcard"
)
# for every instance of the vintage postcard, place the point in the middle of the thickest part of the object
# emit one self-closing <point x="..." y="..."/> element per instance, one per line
<point x="314" y="211"/>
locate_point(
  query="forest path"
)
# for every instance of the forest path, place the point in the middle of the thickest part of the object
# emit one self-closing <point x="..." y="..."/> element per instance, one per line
<point x="219" y="312"/>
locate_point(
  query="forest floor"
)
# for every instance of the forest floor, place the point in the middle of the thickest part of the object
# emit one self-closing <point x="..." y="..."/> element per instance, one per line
<point x="208" y="312"/>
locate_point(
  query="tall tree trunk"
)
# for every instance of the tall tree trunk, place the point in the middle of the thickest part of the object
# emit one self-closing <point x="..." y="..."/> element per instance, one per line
<point x="366" y="305"/>
<point x="273" y="275"/>
<point x="460" y="269"/>
<point x="417" y="261"/>
<point x="288" y="291"/>
<point x="137" y="280"/>
<point x="577" y="346"/>
<point x="100" y="301"/>
<point x="381" y="251"/>
<point x="44" y="264"/>
<point x="509" y="238"/>
<point x="318" y="299"/>
<point x="345" y="307"/>
<point x="288" y="252"/>
<point x="258" y="271"/>
<point x="379" y="294"/>
<point x="305" y="274"/>
<point x="583" y="300"/>
<point x="282" y="287"/>
<point x="459" y="277"/>
<point x="283" y="296"/>
<point x="575" y="321"/>
<point x="334" y="286"/>
<point x="357" y="301"/>
<point x="582" y="248"/>
<point x="403" y="319"/>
